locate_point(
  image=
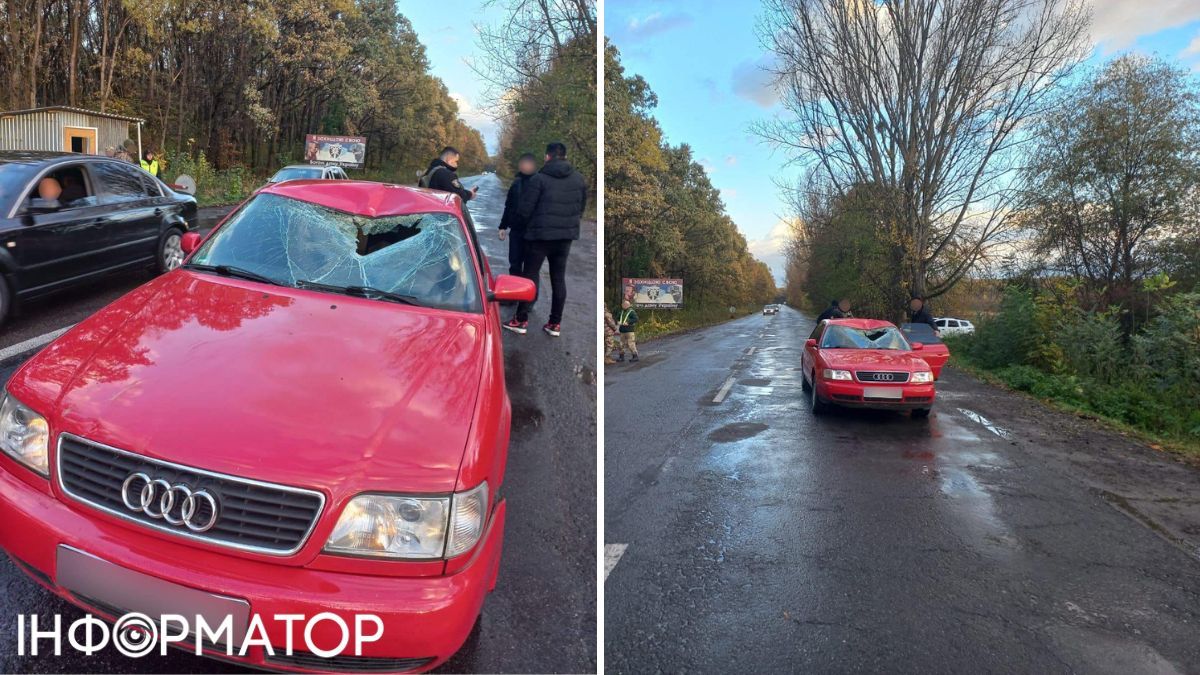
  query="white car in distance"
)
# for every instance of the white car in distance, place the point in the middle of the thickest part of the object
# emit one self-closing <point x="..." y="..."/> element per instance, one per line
<point x="950" y="326"/>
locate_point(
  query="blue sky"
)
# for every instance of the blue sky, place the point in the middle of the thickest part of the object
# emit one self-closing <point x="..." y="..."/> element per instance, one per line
<point x="448" y="30"/>
<point x="701" y="57"/>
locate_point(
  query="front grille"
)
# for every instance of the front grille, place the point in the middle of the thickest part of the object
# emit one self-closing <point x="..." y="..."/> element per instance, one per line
<point x="252" y="515"/>
<point x="346" y="664"/>
<point x="883" y="376"/>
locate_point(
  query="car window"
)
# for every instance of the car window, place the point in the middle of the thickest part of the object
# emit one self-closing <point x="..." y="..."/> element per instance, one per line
<point x="422" y="255"/>
<point x="13" y="179"/>
<point x="297" y="173"/>
<point x="951" y="324"/>
<point x="920" y="332"/>
<point x="847" y="337"/>
<point x="151" y="185"/>
<point x="75" y="186"/>
<point x="816" y="334"/>
<point x="121" y="182"/>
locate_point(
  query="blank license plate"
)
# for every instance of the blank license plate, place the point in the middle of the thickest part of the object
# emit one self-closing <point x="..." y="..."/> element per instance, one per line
<point x="123" y="589"/>
<point x="883" y="392"/>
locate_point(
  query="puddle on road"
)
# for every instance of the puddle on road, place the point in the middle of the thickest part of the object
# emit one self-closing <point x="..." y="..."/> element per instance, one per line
<point x="525" y="416"/>
<point x="738" y="431"/>
<point x="754" y="382"/>
<point x="587" y="374"/>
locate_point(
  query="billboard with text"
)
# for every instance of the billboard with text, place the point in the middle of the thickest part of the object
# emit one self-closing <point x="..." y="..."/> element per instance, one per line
<point x="344" y="151"/>
<point x="653" y="293"/>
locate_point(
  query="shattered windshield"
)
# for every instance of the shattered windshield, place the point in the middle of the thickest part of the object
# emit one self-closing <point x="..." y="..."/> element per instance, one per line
<point x="420" y="258"/>
<point x="845" y="337"/>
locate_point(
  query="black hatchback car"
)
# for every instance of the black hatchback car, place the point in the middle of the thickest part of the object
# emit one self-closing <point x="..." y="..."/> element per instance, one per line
<point x="66" y="218"/>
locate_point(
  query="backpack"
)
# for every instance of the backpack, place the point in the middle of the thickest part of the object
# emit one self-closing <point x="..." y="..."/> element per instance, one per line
<point x="427" y="177"/>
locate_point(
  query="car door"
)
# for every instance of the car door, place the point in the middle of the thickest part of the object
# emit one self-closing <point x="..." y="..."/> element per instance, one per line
<point x="59" y="242"/>
<point x="808" y="357"/>
<point x="135" y="220"/>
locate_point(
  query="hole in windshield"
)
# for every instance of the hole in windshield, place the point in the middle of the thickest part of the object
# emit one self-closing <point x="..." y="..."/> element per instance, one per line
<point x="423" y="257"/>
<point x="845" y="337"/>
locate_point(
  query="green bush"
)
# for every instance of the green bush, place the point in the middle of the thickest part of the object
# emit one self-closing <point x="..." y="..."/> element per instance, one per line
<point x="1054" y="350"/>
<point x="212" y="186"/>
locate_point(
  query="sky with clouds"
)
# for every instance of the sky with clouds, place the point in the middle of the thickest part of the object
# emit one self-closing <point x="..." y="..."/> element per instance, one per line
<point x="703" y="58"/>
<point x="448" y="30"/>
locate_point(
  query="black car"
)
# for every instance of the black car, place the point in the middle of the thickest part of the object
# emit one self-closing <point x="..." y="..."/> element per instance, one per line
<point x="108" y="215"/>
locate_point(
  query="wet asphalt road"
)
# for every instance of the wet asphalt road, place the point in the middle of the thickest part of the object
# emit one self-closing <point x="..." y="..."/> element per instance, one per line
<point x="762" y="539"/>
<point x="542" y="616"/>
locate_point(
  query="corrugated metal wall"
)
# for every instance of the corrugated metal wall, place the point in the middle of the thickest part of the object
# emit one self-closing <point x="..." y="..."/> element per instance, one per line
<point x="44" y="130"/>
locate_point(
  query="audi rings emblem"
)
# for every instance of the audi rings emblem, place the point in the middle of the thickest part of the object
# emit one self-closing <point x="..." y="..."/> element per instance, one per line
<point x="884" y="377"/>
<point x="175" y="503"/>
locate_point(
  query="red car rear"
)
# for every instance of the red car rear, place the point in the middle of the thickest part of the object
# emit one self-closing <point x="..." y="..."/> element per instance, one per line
<point x="866" y="363"/>
<point x="309" y="416"/>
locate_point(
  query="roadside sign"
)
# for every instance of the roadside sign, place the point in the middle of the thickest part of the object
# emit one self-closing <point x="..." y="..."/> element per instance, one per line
<point x="344" y="151"/>
<point x="653" y="293"/>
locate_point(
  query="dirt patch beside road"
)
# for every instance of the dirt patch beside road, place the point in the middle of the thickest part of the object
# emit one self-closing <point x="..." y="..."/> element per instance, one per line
<point x="1160" y="490"/>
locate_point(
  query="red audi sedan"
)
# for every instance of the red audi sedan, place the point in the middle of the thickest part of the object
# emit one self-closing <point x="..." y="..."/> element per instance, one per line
<point x="309" y="416"/>
<point x="865" y="363"/>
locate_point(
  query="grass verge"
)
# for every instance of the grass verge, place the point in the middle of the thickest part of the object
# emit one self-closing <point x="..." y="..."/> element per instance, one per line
<point x="1069" y="395"/>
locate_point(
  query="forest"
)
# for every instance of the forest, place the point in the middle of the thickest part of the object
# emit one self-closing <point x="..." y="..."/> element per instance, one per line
<point x="235" y="85"/>
<point x="664" y="218"/>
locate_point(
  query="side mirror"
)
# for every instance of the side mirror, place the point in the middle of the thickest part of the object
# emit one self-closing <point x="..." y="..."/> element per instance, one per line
<point x="509" y="288"/>
<point x="810" y="343"/>
<point x="917" y="346"/>
<point x="190" y="242"/>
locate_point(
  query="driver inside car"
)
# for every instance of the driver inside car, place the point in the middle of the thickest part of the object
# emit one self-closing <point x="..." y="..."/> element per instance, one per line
<point x="48" y="192"/>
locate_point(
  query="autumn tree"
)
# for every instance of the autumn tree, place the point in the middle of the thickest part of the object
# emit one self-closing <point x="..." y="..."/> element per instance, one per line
<point x="1111" y="186"/>
<point x="663" y="216"/>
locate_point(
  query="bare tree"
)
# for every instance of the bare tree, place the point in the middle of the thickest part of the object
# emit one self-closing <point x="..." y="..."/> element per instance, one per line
<point x="927" y="100"/>
<point x="521" y="48"/>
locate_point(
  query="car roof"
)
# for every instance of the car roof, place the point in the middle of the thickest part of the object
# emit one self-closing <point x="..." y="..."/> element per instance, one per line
<point x="865" y="324"/>
<point x="37" y="157"/>
<point x="366" y="198"/>
<point x="302" y="166"/>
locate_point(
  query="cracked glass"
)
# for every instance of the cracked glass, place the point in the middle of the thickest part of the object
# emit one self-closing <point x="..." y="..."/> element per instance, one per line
<point x="424" y="257"/>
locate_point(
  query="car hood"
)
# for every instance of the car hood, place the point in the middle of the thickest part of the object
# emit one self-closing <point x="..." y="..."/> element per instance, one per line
<point x="283" y="385"/>
<point x="858" y="359"/>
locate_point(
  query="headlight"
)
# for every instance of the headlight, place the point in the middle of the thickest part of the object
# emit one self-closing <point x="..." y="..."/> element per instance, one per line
<point x="922" y="377"/>
<point x="24" y="435"/>
<point x="401" y="526"/>
<point x="837" y="374"/>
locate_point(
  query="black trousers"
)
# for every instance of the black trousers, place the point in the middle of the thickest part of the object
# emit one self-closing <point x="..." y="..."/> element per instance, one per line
<point x="536" y="253"/>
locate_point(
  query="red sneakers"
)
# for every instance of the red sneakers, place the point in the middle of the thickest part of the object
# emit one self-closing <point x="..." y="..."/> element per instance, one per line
<point x="553" y="329"/>
<point x="519" y="327"/>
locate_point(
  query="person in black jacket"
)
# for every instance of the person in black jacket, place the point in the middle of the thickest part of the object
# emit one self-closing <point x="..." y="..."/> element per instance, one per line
<point x="442" y="174"/>
<point x="512" y="226"/>
<point x="918" y="313"/>
<point x="831" y="312"/>
<point x="552" y="204"/>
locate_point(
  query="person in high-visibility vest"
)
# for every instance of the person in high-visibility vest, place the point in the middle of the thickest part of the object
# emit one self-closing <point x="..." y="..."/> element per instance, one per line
<point x="150" y="164"/>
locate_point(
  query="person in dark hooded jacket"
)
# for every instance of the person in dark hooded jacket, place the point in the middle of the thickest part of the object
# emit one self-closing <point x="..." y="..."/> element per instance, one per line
<point x="552" y="204"/>
<point x="512" y="226"/>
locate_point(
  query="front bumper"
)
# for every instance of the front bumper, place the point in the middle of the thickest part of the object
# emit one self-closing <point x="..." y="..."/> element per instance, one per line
<point x="851" y="395"/>
<point x="425" y="619"/>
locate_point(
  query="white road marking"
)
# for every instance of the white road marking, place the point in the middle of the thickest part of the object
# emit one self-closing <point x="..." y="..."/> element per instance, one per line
<point x="724" y="390"/>
<point x="750" y="351"/>
<point x="612" y="556"/>
<point x="999" y="431"/>
<point x="32" y="343"/>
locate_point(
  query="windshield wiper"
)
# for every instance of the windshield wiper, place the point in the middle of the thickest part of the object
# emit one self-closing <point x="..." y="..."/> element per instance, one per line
<point x="236" y="272"/>
<point x="361" y="291"/>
